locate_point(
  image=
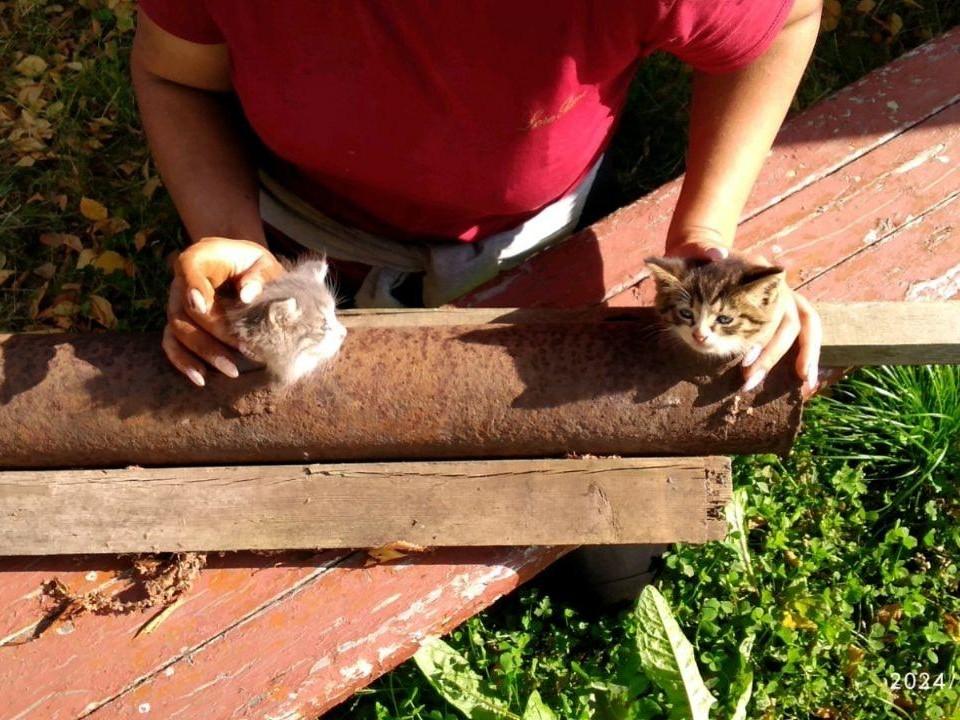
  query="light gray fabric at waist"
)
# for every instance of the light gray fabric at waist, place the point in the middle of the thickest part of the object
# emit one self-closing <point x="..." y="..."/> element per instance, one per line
<point x="450" y="270"/>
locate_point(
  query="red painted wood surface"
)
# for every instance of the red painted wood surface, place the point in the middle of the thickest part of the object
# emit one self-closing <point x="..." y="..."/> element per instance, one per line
<point x="605" y="259"/>
<point x="868" y="209"/>
<point x="257" y="637"/>
<point x="864" y="206"/>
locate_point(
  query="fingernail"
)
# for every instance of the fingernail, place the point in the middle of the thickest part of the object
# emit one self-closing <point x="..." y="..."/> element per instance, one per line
<point x="196" y="378"/>
<point x="249" y="292"/>
<point x="753" y="381"/>
<point x="226" y="367"/>
<point x="752" y="354"/>
<point x="197" y="301"/>
<point x="716" y="253"/>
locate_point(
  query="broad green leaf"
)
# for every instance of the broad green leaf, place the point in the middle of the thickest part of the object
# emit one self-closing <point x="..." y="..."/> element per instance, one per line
<point x="734" y="513"/>
<point x="451" y="675"/>
<point x="536" y="710"/>
<point x="668" y="660"/>
<point x="613" y="701"/>
<point x="743" y="684"/>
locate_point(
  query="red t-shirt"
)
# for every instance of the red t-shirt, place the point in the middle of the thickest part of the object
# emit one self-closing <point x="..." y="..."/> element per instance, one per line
<point x="451" y="120"/>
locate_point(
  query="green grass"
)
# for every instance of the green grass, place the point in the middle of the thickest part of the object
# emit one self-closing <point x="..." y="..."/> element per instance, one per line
<point x="842" y="586"/>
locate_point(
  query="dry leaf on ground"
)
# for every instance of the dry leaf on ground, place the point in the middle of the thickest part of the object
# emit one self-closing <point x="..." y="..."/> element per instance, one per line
<point x="93" y="210"/>
<point x="102" y="311"/>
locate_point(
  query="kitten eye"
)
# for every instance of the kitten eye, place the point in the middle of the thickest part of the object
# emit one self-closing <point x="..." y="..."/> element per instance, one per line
<point x="685" y="313"/>
<point x="724" y="319"/>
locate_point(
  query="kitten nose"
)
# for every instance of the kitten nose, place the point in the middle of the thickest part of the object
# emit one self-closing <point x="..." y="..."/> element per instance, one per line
<point x="699" y="336"/>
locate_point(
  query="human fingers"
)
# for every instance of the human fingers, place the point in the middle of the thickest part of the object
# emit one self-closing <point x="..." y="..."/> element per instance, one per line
<point x="699" y="250"/>
<point x="250" y="283"/>
<point x="181" y="358"/>
<point x="202" y="344"/>
<point x="778" y="345"/>
<point x="215" y="323"/>
<point x="198" y="290"/>
<point x="212" y="261"/>
<point x="811" y="339"/>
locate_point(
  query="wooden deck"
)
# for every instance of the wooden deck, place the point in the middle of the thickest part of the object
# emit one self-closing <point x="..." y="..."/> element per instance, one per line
<point x="868" y="178"/>
<point x="860" y="198"/>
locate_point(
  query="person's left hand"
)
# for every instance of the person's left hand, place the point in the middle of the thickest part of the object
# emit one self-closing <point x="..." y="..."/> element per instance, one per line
<point x="800" y="321"/>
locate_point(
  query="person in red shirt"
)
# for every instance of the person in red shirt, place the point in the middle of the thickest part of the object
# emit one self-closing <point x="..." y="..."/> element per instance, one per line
<point x="445" y="122"/>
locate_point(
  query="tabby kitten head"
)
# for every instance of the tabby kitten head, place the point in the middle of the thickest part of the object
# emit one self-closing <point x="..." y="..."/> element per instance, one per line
<point x="719" y="308"/>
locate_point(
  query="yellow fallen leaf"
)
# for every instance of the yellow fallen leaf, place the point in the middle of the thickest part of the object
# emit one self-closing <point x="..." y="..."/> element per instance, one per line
<point x="150" y="187"/>
<point x="866" y="6"/>
<point x="31" y="66"/>
<point x="392" y="551"/>
<point x="92" y="210"/>
<point x="832" y="10"/>
<point x="140" y="240"/>
<point x="851" y="665"/>
<point x="58" y="239"/>
<point x="110" y="261"/>
<point x="85" y="257"/>
<point x="796" y="621"/>
<point x="111" y="226"/>
<point x="951" y="624"/>
<point x="889" y="613"/>
<point x="5" y="275"/>
<point x="25" y="161"/>
<point x="895" y="24"/>
<point x="63" y="308"/>
<point x="46" y="271"/>
<point x="102" y="311"/>
<point x="34" y="306"/>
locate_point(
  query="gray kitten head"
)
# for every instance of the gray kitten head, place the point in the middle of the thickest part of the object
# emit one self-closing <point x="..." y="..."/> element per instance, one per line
<point x="291" y="326"/>
<point x="719" y="308"/>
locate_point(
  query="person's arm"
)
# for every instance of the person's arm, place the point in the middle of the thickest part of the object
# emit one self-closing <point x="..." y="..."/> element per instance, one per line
<point x="733" y="121"/>
<point x="195" y="143"/>
<point x="202" y="158"/>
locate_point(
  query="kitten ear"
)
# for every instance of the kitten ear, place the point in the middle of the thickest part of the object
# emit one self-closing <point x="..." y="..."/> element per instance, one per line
<point x="667" y="271"/>
<point x="284" y="312"/>
<point x="321" y="269"/>
<point x="762" y="282"/>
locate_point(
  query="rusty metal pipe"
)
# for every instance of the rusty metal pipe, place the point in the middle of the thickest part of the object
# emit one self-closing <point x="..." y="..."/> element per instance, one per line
<point x="504" y="390"/>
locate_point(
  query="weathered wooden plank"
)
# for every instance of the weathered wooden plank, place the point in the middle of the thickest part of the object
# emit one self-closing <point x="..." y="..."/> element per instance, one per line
<point x="256" y="637"/>
<point x="855" y="333"/>
<point x="919" y="263"/>
<point x="917" y="334"/>
<point x="507" y="502"/>
<point x="606" y="259"/>
<point x="861" y="205"/>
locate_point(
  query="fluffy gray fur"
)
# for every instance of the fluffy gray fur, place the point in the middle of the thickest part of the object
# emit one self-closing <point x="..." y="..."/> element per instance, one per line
<point x="291" y="327"/>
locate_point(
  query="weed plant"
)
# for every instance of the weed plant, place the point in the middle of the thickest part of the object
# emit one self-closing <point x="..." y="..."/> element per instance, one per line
<point x="844" y="576"/>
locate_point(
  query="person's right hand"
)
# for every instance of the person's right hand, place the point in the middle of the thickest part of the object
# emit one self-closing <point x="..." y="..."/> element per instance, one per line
<point x="196" y="334"/>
